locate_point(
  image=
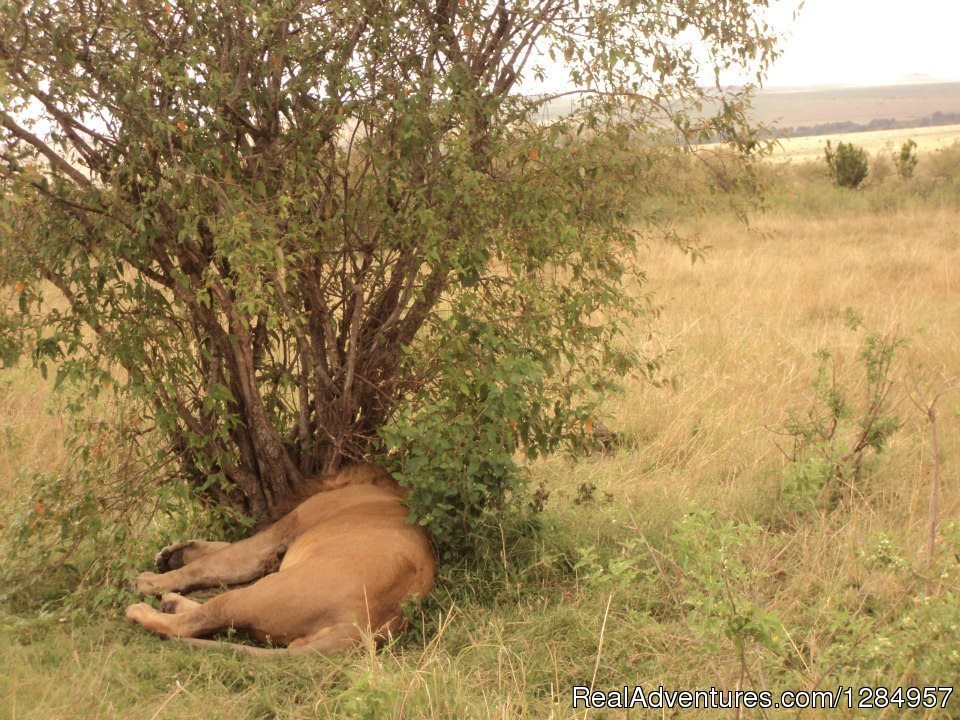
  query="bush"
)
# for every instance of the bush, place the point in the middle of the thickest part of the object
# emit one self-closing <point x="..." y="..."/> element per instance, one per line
<point x="848" y="164"/>
<point x="836" y="435"/>
<point x="906" y="160"/>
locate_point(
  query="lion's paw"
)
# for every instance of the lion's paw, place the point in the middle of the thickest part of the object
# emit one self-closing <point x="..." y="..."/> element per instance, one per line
<point x="173" y="603"/>
<point x="149" y="583"/>
<point x="139" y="613"/>
<point x="171" y="557"/>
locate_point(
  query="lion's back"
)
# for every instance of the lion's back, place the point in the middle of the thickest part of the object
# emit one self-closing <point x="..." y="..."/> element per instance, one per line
<point x="360" y="533"/>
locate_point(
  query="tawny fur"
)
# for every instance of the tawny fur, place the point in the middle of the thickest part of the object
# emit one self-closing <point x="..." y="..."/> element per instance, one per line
<point x="336" y="567"/>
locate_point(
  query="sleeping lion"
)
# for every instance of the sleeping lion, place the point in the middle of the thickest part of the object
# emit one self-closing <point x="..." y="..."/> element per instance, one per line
<point x="336" y="566"/>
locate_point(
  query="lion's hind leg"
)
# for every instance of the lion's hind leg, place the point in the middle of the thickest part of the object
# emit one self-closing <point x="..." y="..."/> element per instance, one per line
<point x="180" y="617"/>
<point x="257" y="609"/>
<point x="190" y="623"/>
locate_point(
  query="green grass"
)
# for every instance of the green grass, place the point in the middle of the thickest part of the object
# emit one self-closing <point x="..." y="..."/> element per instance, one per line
<point x="674" y="561"/>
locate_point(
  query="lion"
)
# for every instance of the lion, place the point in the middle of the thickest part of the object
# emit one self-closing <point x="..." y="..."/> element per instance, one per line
<point x="337" y="566"/>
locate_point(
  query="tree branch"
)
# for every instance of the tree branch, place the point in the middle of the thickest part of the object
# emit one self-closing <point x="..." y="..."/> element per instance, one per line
<point x="55" y="159"/>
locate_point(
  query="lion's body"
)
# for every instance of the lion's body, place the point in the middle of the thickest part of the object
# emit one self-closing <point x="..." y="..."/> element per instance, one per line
<point x="339" y="565"/>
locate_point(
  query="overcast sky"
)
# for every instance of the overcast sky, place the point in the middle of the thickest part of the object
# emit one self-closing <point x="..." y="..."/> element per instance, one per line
<point x="868" y="42"/>
<point x="845" y="42"/>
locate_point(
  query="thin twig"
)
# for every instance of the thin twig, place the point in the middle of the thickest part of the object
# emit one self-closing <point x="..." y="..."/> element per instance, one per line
<point x="596" y="666"/>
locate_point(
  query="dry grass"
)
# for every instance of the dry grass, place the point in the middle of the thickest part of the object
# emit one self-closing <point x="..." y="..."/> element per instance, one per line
<point x="31" y="426"/>
<point x="743" y="328"/>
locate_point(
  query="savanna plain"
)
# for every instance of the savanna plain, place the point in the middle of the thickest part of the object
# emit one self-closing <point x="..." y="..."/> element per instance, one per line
<point x="765" y="522"/>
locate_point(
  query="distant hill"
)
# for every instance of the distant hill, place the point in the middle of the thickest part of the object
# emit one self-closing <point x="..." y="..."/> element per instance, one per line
<point x="813" y="111"/>
<point x="797" y="112"/>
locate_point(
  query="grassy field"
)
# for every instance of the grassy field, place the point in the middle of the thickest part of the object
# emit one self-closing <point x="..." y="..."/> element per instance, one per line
<point x="694" y="557"/>
<point x="928" y="139"/>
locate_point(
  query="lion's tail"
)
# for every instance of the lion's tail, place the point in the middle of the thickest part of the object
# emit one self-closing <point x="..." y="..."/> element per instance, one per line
<point x="249" y="650"/>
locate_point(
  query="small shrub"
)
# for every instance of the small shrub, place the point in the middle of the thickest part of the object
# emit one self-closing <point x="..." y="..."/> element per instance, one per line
<point x="838" y="433"/>
<point x="922" y="638"/>
<point x="720" y="586"/>
<point x="620" y="571"/>
<point x="848" y="164"/>
<point x="906" y="160"/>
